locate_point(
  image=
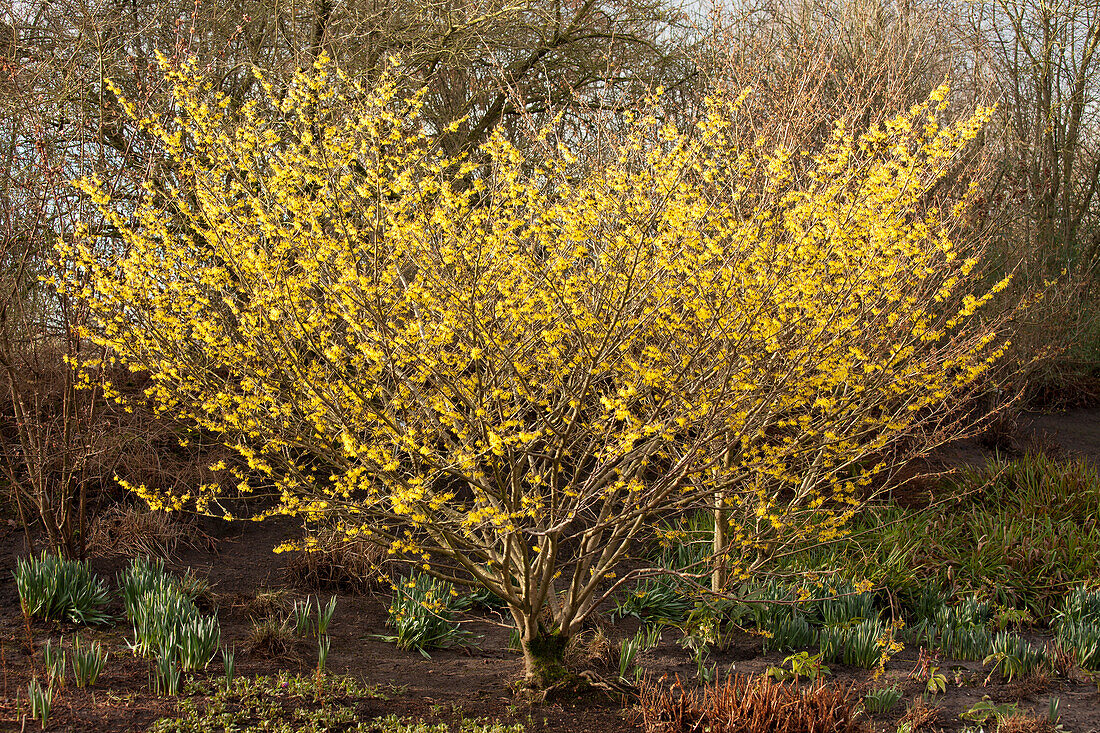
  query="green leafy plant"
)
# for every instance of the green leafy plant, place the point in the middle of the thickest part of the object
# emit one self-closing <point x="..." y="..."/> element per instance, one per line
<point x="882" y="700"/>
<point x="698" y="645"/>
<point x="1014" y="658"/>
<point x="54" y="589"/>
<point x="422" y="614"/>
<point x="1017" y="618"/>
<point x="706" y="625"/>
<point x="41" y="699"/>
<point x="1080" y="641"/>
<point x="986" y="710"/>
<point x="802" y="664"/>
<point x="936" y="682"/>
<point x="88" y="661"/>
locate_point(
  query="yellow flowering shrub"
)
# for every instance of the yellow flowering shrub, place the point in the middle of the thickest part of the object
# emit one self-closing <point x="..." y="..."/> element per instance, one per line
<point x="504" y="370"/>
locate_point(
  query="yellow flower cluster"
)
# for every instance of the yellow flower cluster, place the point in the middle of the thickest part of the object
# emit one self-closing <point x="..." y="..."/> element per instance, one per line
<point x="492" y="359"/>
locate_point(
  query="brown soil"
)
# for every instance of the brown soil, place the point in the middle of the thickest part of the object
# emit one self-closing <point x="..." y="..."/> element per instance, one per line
<point x="472" y="681"/>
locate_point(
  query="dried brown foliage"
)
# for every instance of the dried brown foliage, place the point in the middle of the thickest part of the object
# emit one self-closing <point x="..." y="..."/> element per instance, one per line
<point x="337" y="562"/>
<point x="269" y="637"/>
<point x="1025" y="724"/>
<point x="127" y="531"/>
<point x="920" y="716"/>
<point x="592" y="648"/>
<point x="745" y="704"/>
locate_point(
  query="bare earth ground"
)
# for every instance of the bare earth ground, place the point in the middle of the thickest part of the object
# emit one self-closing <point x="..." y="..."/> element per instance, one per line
<point x="471" y="681"/>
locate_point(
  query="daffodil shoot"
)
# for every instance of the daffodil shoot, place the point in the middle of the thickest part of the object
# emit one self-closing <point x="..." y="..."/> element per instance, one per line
<point x="506" y="367"/>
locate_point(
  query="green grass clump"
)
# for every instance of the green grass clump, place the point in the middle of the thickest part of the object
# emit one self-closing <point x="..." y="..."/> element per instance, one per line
<point x="842" y="605"/>
<point x="1017" y="532"/>
<point x="788" y="632"/>
<point x="882" y="700"/>
<point x="88" y="661"/>
<point x="54" y="589"/>
<point x="167" y="624"/>
<point x="1014" y="658"/>
<point x="39" y="700"/>
<point x="860" y="645"/>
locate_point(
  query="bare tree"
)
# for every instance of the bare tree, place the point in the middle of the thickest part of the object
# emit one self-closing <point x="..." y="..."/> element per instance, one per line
<point x="1047" y="69"/>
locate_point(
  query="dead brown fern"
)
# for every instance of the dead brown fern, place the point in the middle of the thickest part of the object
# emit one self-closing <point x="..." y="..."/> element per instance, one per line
<point x="745" y="704"/>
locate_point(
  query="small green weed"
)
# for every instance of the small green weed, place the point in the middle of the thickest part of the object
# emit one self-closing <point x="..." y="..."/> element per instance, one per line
<point x="229" y="664"/>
